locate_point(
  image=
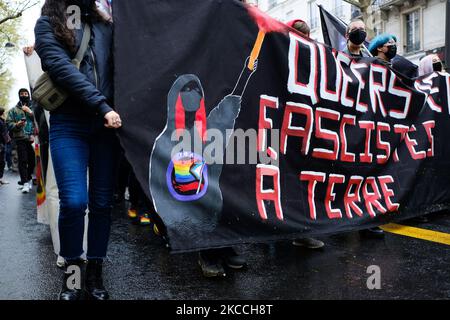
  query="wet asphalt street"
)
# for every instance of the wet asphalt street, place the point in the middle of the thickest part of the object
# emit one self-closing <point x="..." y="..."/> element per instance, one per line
<point x="140" y="267"/>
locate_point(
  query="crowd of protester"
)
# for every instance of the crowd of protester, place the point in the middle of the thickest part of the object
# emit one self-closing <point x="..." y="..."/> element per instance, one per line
<point x="83" y="142"/>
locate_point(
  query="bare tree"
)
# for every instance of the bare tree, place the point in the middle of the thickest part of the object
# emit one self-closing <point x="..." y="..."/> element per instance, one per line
<point x="10" y="13"/>
<point x="13" y="9"/>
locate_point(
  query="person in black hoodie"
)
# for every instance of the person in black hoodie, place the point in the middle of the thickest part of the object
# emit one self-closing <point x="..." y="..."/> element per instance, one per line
<point x="82" y="135"/>
<point x="20" y="121"/>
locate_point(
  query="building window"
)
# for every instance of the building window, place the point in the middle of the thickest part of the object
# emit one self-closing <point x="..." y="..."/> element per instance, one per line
<point x="412" y="21"/>
<point x="313" y="15"/>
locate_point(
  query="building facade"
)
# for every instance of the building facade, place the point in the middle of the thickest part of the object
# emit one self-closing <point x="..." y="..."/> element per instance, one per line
<point x="418" y="24"/>
<point x="307" y="10"/>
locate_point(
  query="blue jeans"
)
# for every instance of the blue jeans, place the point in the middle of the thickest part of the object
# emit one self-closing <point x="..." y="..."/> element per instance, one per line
<point x="76" y="145"/>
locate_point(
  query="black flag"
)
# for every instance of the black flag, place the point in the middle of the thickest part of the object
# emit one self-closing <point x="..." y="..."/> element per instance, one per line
<point x="447" y="34"/>
<point x="334" y="31"/>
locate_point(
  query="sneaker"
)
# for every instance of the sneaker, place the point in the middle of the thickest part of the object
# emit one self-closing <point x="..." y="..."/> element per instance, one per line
<point x="309" y="243"/>
<point x="132" y="213"/>
<point x="26" y="187"/>
<point x="234" y="260"/>
<point x="145" y="220"/>
<point x="211" y="264"/>
<point x="2" y="182"/>
<point x="60" y="262"/>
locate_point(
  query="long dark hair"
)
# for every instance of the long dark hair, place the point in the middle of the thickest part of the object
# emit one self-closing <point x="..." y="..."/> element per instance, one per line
<point x="56" y="10"/>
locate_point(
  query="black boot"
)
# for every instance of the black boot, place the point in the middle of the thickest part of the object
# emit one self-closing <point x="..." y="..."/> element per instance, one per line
<point x="71" y="288"/>
<point x="94" y="281"/>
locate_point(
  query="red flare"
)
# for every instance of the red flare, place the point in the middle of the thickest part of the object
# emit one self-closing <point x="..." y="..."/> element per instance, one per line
<point x="200" y="120"/>
<point x="265" y="22"/>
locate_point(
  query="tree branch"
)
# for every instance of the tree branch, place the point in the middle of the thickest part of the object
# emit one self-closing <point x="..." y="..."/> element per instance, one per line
<point x="26" y="5"/>
<point x="355" y="3"/>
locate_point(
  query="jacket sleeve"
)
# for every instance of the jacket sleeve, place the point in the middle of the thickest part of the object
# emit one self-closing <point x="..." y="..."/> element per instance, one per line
<point x="56" y="61"/>
<point x="11" y="121"/>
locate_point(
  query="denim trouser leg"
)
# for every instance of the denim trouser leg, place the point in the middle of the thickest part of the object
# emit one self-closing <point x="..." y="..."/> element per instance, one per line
<point x="77" y="144"/>
<point x="70" y="154"/>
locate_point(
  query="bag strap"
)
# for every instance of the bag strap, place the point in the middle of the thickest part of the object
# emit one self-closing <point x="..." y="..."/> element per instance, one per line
<point x="83" y="46"/>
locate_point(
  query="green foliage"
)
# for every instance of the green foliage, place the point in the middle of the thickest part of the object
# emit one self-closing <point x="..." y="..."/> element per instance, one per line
<point x="10" y="13"/>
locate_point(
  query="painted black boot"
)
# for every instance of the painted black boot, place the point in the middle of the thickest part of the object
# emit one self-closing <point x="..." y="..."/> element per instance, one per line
<point x="94" y="281"/>
<point x="71" y="288"/>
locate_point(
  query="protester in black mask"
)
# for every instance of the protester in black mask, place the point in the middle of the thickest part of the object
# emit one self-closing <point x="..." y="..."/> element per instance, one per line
<point x="356" y="35"/>
<point x="20" y="122"/>
<point x="430" y="63"/>
<point x="384" y="47"/>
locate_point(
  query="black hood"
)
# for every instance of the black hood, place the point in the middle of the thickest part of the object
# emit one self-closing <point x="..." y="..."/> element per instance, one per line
<point x="190" y="89"/>
<point x="23" y="90"/>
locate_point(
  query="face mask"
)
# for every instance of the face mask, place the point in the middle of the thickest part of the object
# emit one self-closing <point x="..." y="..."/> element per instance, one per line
<point x="24" y="99"/>
<point x="357" y="36"/>
<point x="437" y="66"/>
<point x="392" y="52"/>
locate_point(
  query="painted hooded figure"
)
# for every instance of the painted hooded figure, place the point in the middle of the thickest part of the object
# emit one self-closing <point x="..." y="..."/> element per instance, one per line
<point x="185" y="186"/>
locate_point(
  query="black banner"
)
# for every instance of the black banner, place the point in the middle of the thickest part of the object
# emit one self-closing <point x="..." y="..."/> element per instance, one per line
<point x="340" y="144"/>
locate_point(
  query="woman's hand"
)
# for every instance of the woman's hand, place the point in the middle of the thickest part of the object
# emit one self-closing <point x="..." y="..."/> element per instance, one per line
<point x="113" y="120"/>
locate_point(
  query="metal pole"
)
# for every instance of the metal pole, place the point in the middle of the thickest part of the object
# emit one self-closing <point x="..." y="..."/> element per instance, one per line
<point x="447" y="35"/>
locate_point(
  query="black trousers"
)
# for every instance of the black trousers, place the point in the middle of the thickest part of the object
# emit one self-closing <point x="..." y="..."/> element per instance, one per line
<point x="27" y="159"/>
<point x="138" y="199"/>
<point x="123" y="175"/>
<point x="2" y="159"/>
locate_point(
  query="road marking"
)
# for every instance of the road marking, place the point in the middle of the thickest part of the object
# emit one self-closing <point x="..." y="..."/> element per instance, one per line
<point x="428" y="235"/>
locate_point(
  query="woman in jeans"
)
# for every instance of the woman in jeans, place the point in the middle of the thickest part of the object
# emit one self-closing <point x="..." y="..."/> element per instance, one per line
<point x="82" y="135"/>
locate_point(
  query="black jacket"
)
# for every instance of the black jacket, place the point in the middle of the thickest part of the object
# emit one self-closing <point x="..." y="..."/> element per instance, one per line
<point x="86" y="95"/>
<point x="4" y="136"/>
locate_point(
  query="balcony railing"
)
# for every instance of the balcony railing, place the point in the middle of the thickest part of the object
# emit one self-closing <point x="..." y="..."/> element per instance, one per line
<point x="387" y="3"/>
